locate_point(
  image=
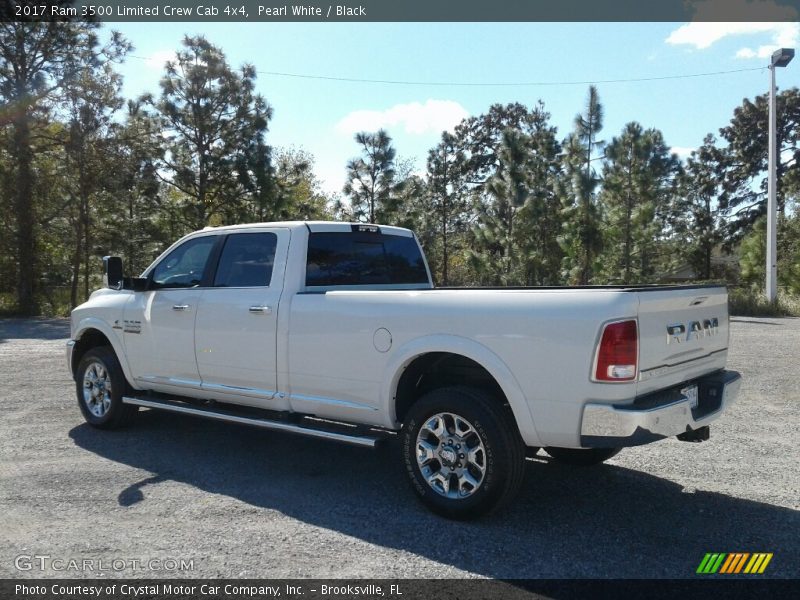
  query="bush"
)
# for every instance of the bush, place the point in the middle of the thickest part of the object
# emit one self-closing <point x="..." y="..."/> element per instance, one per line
<point x="753" y="253"/>
<point x="8" y="304"/>
<point x="750" y="302"/>
<point x="52" y="301"/>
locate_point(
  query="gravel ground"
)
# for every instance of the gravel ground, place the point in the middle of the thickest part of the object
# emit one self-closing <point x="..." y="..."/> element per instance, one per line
<point x="246" y="503"/>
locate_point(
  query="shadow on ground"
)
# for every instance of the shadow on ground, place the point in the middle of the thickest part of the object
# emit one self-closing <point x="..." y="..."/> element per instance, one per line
<point x="33" y="329"/>
<point x="605" y="521"/>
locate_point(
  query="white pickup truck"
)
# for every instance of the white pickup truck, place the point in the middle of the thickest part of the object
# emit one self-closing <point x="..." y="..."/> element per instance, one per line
<point x="334" y="330"/>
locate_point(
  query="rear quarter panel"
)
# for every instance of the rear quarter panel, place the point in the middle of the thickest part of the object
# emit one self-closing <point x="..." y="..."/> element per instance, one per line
<point x="545" y="338"/>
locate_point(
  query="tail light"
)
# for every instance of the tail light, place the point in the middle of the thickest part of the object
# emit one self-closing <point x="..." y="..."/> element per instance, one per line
<point x="618" y="352"/>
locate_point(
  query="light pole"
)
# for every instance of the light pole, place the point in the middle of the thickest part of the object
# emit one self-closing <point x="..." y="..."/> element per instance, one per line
<point x="780" y="58"/>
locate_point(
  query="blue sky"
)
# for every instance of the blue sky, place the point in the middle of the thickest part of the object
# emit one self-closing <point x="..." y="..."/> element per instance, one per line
<point x="321" y="116"/>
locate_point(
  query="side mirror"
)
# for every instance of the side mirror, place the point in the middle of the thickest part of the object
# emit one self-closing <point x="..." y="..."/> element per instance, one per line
<point x="112" y="272"/>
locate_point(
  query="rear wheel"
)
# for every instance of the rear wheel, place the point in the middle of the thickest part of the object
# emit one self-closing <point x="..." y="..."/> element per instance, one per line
<point x="583" y="457"/>
<point x="462" y="452"/>
<point x="100" y="385"/>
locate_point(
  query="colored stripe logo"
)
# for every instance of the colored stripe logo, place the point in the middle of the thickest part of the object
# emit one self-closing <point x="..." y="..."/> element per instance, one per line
<point x="731" y="563"/>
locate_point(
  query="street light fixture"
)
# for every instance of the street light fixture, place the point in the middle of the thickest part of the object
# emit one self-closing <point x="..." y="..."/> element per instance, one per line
<point x="780" y="58"/>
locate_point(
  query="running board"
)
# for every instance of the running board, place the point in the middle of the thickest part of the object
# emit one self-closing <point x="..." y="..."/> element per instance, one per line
<point x="210" y="413"/>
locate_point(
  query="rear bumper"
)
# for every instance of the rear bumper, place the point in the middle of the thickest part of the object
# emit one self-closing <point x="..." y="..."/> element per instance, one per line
<point x="662" y="414"/>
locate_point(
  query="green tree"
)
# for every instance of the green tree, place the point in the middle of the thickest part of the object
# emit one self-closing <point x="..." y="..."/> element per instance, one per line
<point x="37" y="60"/>
<point x="495" y="255"/>
<point x="91" y="99"/>
<point x="702" y="227"/>
<point x="539" y="222"/>
<point x="745" y="183"/>
<point x="752" y="255"/>
<point x="407" y="207"/>
<point x="446" y="205"/>
<point x="8" y="266"/>
<point x="478" y="153"/>
<point x="479" y="140"/>
<point x="639" y="188"/>
<point x="371" y="183"/>
<point x="136" y="199"/>
<point x="215" y="124"/>
<point x="581" y="239"/>
<point x="298" y="193"/>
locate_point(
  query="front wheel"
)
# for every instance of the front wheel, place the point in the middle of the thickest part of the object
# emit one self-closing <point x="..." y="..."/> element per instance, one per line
<point x="100" y="385"/>
<point x="462" y="452"/>
<point x="583" y="457"/>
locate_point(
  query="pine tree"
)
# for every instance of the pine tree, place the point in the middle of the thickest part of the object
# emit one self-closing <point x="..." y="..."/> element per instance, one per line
<point x="216" y="124"/>
<point x="92" y="98"/>
<point x="480" y="139"/>
<point x="702" y="226"/>
<point x="137" y="194"/>
<point x="744" y="195"/>
<point x="299" y="194"/>
<point x="481" y="160"/>
<point x="38" y="59"/>
<point x="371" y="183"/>
<point x="496" y="255"/>
<point x="639" y="183"/>
<point x="446" y="206"/>
<point x="581" y="238"/>
<point x="752" y="255"/>
<point x="539" y="220"/>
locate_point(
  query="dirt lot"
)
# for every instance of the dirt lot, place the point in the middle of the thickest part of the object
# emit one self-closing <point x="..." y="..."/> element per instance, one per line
<point x="245" y="503"/>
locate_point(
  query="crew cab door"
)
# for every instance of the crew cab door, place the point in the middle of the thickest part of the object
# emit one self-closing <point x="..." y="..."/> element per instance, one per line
<point x="158" y="324"/>
<point x="236" y="328"/>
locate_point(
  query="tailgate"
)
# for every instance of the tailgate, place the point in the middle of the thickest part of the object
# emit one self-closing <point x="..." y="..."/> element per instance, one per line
<point x="683" y="334"/>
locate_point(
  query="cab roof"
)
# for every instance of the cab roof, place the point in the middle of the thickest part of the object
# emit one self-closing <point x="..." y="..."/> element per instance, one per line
<point x="315" y="227"/>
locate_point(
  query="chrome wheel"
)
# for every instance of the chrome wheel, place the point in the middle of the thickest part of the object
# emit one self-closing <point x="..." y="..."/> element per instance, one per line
<point x="451" y="455"/>
<point x="97" y="388"/>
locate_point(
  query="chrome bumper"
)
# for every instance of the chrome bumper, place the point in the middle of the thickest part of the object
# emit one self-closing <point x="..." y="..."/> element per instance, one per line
<point x="659" y="415"/>
<point x="70" y="348"/>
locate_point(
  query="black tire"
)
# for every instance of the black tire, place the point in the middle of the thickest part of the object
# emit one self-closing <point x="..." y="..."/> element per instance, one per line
<point x="503" y="451"/>
<point x="114" y="414"/>
<point x="582" y="457"/>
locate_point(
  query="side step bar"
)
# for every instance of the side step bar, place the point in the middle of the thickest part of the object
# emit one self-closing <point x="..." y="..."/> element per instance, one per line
<point x="219" y="415"/>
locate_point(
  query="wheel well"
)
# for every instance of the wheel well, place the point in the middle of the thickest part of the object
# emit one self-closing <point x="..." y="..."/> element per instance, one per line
<point x="435" y="370"/>
<point x="91" y="338"/>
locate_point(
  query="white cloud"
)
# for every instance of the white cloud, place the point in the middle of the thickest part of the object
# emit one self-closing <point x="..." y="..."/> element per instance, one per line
<point x="157" y="59"/>
<point x="754" y="18"/>
<point x="683" y="152"/>
<point x="746" y="53"/>
<point x="703" y="35"/>
<point x="764" y="51"/>
<point x="415" y="117"/>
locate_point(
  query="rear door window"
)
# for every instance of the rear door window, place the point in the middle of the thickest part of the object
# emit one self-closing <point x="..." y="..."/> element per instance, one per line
<point x="247" y="260"/>
<point x="363" y="258"/>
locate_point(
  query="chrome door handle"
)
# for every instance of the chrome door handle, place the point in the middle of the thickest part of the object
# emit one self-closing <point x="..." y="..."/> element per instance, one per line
<point x="261" y="309"/>
<point x="180" y="306"/>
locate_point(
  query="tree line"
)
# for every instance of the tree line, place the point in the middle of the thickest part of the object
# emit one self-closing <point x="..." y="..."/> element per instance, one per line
<point x="504" y="199"/>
